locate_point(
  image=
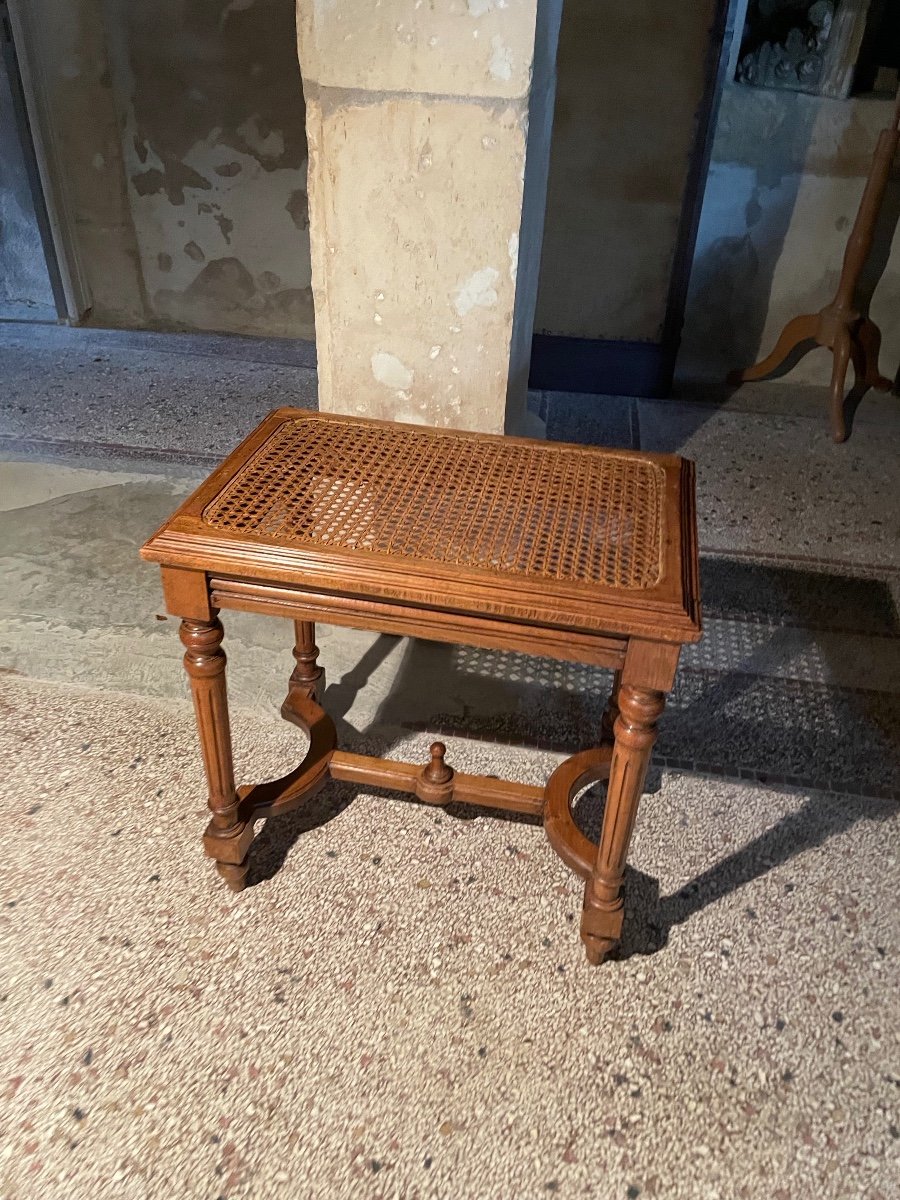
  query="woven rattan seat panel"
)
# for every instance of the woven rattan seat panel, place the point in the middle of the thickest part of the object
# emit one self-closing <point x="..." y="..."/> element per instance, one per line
<point x="506" y="506"/>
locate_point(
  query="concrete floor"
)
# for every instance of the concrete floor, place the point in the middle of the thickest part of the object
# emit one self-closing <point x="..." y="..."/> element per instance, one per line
<point x="400" y="1006"/>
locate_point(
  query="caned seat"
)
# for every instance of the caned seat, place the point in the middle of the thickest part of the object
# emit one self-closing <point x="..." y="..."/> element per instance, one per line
<point x="568" y="537"/>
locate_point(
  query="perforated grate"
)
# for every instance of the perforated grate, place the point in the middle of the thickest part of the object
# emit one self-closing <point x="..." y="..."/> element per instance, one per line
<point x="555" y="512"/>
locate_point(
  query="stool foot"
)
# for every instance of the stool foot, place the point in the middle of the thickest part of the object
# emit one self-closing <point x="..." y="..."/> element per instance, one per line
<point x="234" y="874"/>
<point x="598" y="950"/>
<point x="601" y="925"/>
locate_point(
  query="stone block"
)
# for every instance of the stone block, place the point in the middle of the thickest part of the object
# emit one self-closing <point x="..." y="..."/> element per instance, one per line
<point x="449" y="47"/>
<point x="415" y="215"/>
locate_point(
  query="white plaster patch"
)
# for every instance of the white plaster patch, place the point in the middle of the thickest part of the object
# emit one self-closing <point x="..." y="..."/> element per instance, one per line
<point x="512" y="247"/>
<point x="478" y="291"/>
<point x="434" y="352"/>
<point x="477" y="8"/>
<point x="270" y="146"/>
<point x="230" y="200"/>
<point x="501" y="61"/>
<point x="389" y="370"/>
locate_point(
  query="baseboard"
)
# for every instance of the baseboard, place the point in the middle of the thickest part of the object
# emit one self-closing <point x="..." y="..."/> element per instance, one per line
<point x="569" y="364"/>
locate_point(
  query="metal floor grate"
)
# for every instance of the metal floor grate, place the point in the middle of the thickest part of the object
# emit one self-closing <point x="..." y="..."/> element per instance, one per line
<point x="555" y="512"/>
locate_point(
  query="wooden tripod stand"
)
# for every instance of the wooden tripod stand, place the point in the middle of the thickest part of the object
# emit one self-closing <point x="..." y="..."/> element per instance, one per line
<point x="847" y="332"/>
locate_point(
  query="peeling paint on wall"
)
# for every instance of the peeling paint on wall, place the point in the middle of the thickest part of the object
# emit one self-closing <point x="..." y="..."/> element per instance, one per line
<point x="225" y="295"/>
<point x="298" y="208"/>
<point x="215" y="154"/>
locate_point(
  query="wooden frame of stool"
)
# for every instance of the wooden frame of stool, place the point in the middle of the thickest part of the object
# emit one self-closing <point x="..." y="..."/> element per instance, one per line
<point x="305" y="577"/>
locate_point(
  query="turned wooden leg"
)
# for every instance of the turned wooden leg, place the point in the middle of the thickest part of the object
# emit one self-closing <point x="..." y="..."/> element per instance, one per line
<point x="635" y="731"/>
<point x="842" y="351"/>
<point x="307" y="678"/>
<point x="795" y="333"/>
<point x="226" y="837"/>
<point x="611" y="712"/>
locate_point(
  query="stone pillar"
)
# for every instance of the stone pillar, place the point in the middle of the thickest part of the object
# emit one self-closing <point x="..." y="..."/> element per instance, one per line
<point x="429" y="131"/>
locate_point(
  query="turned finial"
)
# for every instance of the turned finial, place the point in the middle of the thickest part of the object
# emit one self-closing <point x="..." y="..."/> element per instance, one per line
<point x="437" y="770"/>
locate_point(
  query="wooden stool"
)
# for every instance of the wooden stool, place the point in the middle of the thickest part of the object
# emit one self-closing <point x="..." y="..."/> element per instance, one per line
<point x="564" y="551"/>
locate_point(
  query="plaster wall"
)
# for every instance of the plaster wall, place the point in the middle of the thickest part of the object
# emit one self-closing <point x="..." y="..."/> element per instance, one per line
<point x="180" y="123"/>
<point x="785" y="182"/>
<point x="183" y="130"/>
<point x="629" y="88"/>
<point x="69" y="54"/>
<point x="25" y="292"/>
<point x="211" y="115"/>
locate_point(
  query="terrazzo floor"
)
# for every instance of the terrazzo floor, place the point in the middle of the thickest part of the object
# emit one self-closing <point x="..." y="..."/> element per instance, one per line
<point x="399" y="1006"/>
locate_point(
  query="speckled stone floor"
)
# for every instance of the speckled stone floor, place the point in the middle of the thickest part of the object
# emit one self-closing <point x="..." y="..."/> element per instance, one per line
<point x="399" y="1006"/>
<point x="108" y="398"/>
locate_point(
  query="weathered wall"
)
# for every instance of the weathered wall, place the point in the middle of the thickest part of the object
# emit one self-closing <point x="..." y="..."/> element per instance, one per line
<point x="630" y="82"/>
<point x="25" y="292"/>
<point x="215" y="156"/>
<point x="181" y="125"/>
<point x="785" y="181"/>
<point x="70" y="52"/>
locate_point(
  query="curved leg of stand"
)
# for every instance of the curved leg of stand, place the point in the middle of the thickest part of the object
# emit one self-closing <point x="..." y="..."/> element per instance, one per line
<point x="795" y="333"/>
<point x="869" y="337"/>
<point x="842" y="351"/>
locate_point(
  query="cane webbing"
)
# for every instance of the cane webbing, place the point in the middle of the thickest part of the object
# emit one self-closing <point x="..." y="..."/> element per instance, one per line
<point x="564" y="513"/>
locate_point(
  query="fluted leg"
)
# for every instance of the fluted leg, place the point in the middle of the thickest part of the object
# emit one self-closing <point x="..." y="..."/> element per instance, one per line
<point x="226" y="837"/>
<point x="307" y="678"/>
<point x="635" y="733"/>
